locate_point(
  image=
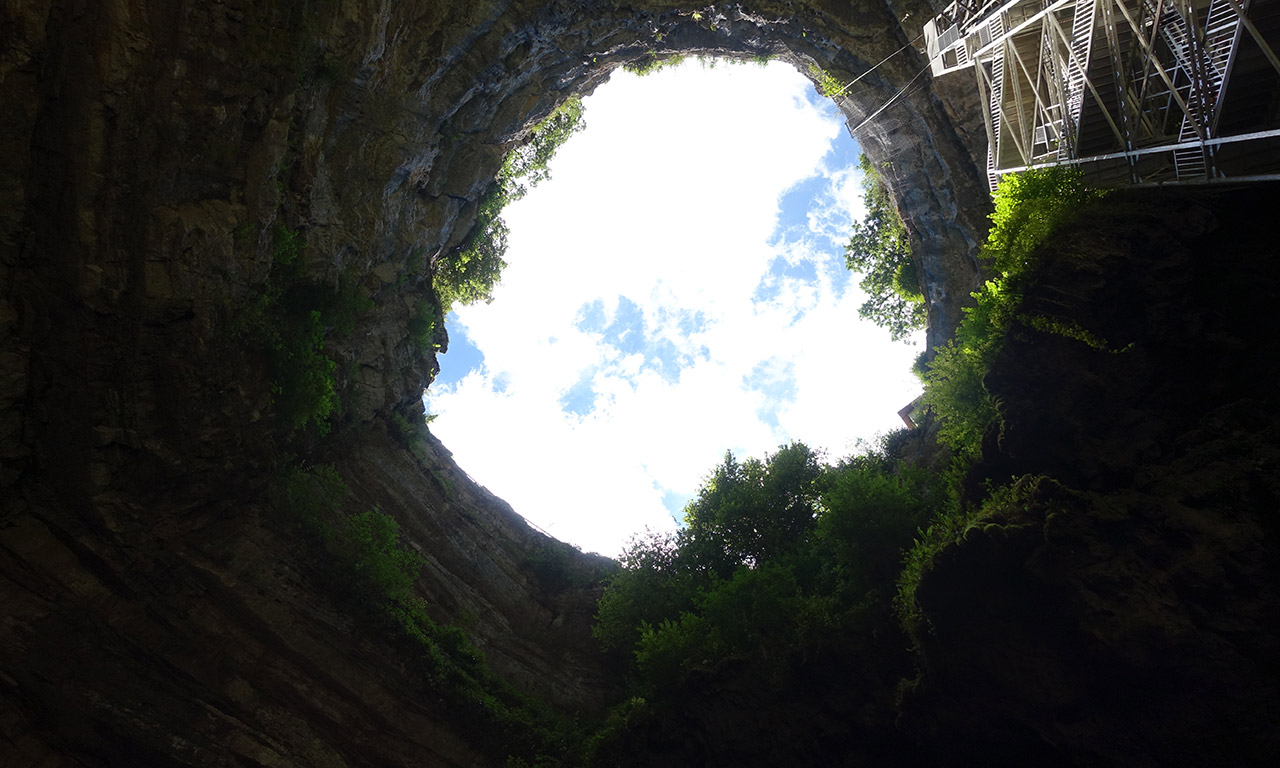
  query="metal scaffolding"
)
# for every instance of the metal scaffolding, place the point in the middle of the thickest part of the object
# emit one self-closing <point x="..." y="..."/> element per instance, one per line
<point x="1134" y="91"/>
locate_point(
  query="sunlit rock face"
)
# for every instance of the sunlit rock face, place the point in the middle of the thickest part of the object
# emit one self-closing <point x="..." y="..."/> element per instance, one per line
<point x="150" y="155"/>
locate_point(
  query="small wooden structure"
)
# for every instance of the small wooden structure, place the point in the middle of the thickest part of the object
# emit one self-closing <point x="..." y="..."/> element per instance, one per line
<point x="1135" y="91"/>
<point x="910" y="412"/>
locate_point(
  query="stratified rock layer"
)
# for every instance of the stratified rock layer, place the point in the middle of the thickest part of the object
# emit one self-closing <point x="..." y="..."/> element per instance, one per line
<point x="156" y="613"/>
<point x="151" y="156"/>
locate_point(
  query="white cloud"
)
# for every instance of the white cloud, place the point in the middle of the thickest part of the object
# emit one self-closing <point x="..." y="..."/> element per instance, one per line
<point x="670" y="200"/>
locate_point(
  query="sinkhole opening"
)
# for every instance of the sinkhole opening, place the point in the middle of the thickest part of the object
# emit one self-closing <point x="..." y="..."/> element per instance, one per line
<point x="677" y="288"/>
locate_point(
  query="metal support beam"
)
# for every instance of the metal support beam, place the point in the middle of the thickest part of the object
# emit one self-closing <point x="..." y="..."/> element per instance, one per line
<point x="1155" y="62"/>
<point x="1084" y="72"/>
<point x="1257" y="36"/>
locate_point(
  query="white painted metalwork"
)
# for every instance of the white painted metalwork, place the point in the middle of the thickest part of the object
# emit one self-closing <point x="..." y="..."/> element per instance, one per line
<point x="1138" y="91"/>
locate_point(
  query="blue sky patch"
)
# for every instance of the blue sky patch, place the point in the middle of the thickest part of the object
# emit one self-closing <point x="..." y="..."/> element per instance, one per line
<point x="591" y="318"/>
<point x="692" y="322"/>
<point x="626" y="332"/>
<point x="462" y="358"/>
<point x="804" y="270"/>
<point x="664" y="358"/>
<point x="774" y="378"/>
<point x="776" y="381"/>
<point x="580" y="399"/>
<point x="675" y="503"/>
<point x="794" y="205"/>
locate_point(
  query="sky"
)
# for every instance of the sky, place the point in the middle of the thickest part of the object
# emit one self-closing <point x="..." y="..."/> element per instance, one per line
<point x="675" y="290"/>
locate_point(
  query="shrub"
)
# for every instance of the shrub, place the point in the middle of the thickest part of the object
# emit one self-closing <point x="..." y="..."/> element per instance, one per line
<point x="826" y="83"/>
<point x="561" y="566"/>
<point x="302" y="375"/>
<point x="1028" y="207"/>
<point x="652" y="62"/>
<point x="382" y="566"/>
<point x="290" y="320"/>
<point x="423" y="325"/>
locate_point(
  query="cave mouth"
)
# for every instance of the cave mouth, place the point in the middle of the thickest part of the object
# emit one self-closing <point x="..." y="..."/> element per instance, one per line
<point x="676" y="289"/>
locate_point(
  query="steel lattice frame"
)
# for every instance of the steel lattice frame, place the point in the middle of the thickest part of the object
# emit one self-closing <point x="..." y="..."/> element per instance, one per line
<point x="1134" y="88"/>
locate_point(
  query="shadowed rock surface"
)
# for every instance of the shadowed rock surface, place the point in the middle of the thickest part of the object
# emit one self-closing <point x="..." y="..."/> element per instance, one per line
<point x="1127" y="612"/>
<point x="158" y="612"/>
<point x="153" y="153"/>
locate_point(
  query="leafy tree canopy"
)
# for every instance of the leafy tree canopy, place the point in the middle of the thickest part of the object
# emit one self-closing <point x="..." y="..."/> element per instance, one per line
<point x="747" y="513"/>
<point x="881" y="252"/>
<point x="773" y="551"/>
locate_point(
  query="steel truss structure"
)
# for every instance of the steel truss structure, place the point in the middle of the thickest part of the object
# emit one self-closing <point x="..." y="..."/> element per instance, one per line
<point x="1135" y="91"/>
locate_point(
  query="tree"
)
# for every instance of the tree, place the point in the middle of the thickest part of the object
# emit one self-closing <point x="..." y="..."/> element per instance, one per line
<point x="881" y="252"/>
<point x="748" y="513"/>
<point x="652" y="586"/>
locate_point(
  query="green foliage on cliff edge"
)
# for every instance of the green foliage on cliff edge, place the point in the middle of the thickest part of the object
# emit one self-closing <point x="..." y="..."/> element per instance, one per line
<point x="652" y="62"/>
<point x="468" y="274"/>
<point x="880" y="251"/>
<point x="1028" y="208"/>
<point x="786" y="558"/>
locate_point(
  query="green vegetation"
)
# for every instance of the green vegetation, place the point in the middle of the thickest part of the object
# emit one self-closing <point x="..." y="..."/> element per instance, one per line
<point x="289" y="320"/>
<point x="776" y="556"/>
<point x="786" y="558"/>
<point x="364" y="560"/>
<point x="655" y="62"/>
<point x="879" y="249"/>
<point x="781" y="560"/>
<point x="1028" y="208"/>
<point x="560" y="566"/>
<point x="469" y="274"/>
<point x="423" y="326"/>
<point x="827" y="84"/>
<point x="652" y="62"/>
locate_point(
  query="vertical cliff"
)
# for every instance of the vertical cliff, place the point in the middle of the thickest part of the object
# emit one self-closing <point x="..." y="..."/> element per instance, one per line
<point x="218" y="224"/>
<point x="1122" y="608"/>
<point x="218" y="221"/>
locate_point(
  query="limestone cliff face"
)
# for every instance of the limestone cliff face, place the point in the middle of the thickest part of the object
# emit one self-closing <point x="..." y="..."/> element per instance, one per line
<point x="156" y="611"/>
<point x="150" y="154"/>
<point x="152" y="150"/>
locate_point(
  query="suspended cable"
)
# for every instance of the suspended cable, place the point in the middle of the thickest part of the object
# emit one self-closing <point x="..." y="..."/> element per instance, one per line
<point x="877" y="66"/>
<point x="892" y="99"/>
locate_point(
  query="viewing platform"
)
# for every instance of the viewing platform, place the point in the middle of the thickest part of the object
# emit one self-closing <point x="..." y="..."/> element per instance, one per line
<point x="1133" y="91"/>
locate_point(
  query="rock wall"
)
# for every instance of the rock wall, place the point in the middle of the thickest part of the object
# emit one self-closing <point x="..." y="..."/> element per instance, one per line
<point x="1126" y="611"/>
<point x="151" y="153"/>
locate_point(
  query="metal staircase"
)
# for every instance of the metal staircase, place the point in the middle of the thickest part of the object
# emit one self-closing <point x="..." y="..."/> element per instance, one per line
<point x="1206" y="65"/>
<point x="1082" y="26"/>
<point x="995" y="28"/>
<point x="997" y="95"/>
<point x="1137" y="91"/>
